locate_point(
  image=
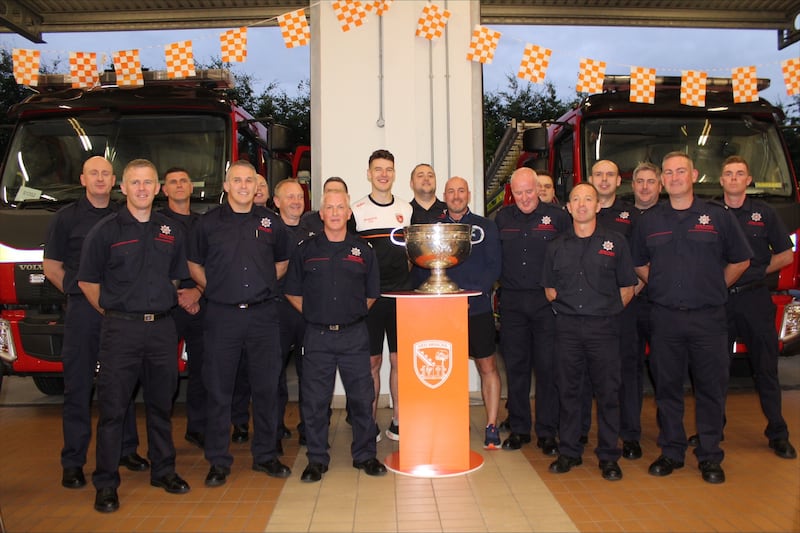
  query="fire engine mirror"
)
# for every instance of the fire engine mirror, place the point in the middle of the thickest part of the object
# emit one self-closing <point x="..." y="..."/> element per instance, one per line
<point x="535" y="139"/>
<point x="279" y="138"/>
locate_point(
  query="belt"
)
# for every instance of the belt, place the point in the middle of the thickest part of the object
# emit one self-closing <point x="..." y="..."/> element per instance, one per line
<point x="747" y="287"/>
<point x="336" y="327"/>
<point x="244" y="305"/>
<point x="138" y="317"/>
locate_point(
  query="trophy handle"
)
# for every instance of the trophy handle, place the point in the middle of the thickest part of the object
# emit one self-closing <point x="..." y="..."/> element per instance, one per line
<point x="400" y="243"/>
<point x="480" y="239"/>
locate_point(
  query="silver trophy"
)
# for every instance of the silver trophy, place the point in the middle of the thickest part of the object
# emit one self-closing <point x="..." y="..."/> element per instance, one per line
<point x="437" y="247"/>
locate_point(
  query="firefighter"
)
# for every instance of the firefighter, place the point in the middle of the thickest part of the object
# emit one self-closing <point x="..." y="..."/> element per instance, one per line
<point x="62" y="251"/>
<point x="618" y="215"/>
<point x="751" y="313"/>
<point x="289" y="201"/>
<point x="526" y="318"/>
<point x="190" y="312"/>
<point x="689" y="251"/>
<point x="333" y="280"/>
<point x="237" y="253"/>
<point x="131" y="264"/>
<point x="589" y="279"/>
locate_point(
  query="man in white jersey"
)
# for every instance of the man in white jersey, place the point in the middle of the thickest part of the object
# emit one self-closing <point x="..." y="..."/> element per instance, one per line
<point x="376" y="215"/>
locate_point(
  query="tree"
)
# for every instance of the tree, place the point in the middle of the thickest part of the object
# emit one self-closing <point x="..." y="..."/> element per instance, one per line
<point x="10" y="94"/>
<point x="291" y="111"/>
<point x="522" y="103"/>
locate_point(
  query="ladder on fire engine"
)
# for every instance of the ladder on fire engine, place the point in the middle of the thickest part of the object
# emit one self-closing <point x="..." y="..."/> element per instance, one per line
<point x="503" y="164"/>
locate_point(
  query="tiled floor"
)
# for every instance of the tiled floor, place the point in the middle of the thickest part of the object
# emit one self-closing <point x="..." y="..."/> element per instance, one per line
<point x="513" y="491"/>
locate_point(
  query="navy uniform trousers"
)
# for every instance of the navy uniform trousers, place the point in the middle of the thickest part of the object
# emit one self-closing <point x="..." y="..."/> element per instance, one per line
<point x="292" y="329"/>
<point x="751" y="315"/>
<point x="587" y="349"/>
<point x="190" y="329"/>
<point x="631" y="388"/>
<point x="229" y="332"/>
<point x="697" y="340"/>
<point x="79" y="353"/>
<point x="324" y="352"/>
<point x="526" y="341"/>
<point x="133" y="351"/>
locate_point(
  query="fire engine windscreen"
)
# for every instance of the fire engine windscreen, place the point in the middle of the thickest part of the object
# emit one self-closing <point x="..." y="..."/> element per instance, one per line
<point x="46" y="157"/>
<point x="631" y="140"/>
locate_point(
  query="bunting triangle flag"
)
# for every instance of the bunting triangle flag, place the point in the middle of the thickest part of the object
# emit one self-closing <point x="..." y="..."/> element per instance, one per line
<point x="233" y="44"/>
<point x="180" y="60"/>
<point x="83" y="70"/>
<point x="128" y="68"/>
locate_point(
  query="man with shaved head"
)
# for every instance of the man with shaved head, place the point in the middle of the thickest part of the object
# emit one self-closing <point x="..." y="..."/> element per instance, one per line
<point x="478" y="273"/>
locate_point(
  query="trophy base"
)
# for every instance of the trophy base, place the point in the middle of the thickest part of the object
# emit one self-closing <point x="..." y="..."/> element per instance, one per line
<point x="438" y="286"/>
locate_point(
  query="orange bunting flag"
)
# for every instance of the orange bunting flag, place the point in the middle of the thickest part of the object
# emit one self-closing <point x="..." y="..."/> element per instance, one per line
<point x="83" y="70"/>
<point x="380" y="6"/>
<point x="432" y="22"/>
<point x="643" y="85"/>
<point x="693" y="88"/>
<point x="128" y="68"/>
<point x="745" y="85"/>
<point x="590" y="76"/>
<point x="26" y="66"/>
<point x="483" y="44"/>
<point x="233" y="45"/>
<point x="535" y="61"/>
<point x="294" y="28"/>
<point x="791" y="75"/>
<point x="349" y="13"/>
<point x="180" y="60"/>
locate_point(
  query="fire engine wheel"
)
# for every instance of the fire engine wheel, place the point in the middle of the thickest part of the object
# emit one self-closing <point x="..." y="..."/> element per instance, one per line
<point x="52" y="386"/>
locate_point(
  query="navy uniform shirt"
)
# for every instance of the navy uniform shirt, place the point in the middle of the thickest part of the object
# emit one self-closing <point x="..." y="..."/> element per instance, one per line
<point x="620" y="217"/>
<point x="187" y="222"/>
<point x="482" y="268"/>
<point x="524" y="239"/>
<point x="688" y="251"/>
<point x="420" y="215"/>
<point x="66" y="234"/>
<point x="239" y="252"/>
<point x="766" y="234"/>
<point x="135" y="262"/>
<point x="334" y="278"/>
<point x="587" y="273"/>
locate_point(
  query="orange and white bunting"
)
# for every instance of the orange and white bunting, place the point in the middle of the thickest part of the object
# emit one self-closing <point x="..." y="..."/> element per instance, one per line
<point x="693" y="88"/>
<point x="643" y="85"/>
<point x="379" y="6"/>
<point x="83" y="70"/>
<point x="483" y="44"/>
<point x="432" y="22"/>
<point x="791" y="75"/>
<point x="535" y="61"/>
<point x="745" y="85"/>
<point x="294" y="28"/>
<point x="350" y="14"/>
<point x="180" y="60"/>
<point x="233" y="45"/>
<point x="591" y="76"/>
<point x="128" y="68"/>
<point x="26" y="66"/>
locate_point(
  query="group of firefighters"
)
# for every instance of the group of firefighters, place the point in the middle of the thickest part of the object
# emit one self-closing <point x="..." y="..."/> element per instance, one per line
<point x="586" y="291"/>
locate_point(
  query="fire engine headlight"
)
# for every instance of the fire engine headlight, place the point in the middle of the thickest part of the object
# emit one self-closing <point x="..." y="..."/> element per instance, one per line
<point x="790" y="325"/>
<point x="7" y="350"/>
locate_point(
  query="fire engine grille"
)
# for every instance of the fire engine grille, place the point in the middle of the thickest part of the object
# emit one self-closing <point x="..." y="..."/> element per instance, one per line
<point x="32" y="288"/>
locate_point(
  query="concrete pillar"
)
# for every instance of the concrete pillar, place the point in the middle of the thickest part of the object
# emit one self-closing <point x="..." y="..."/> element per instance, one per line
<point x="381" y="86"/>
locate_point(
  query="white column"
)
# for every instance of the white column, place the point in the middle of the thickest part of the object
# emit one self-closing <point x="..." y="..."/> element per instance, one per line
<point x="381" y="86"/>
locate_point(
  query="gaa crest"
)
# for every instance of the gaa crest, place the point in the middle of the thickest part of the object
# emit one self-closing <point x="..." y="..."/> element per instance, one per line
<point x="433" y="362"/>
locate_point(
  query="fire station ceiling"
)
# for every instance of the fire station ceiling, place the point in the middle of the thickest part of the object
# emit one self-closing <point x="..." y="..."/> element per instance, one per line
<point x="34" y="19"/>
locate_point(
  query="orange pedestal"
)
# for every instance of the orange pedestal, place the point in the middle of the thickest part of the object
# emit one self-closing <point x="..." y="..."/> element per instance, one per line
<point x="433" y="386"/>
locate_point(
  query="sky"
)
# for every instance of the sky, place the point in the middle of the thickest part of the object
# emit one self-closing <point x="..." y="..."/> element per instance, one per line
<point x="669" y="50"/>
